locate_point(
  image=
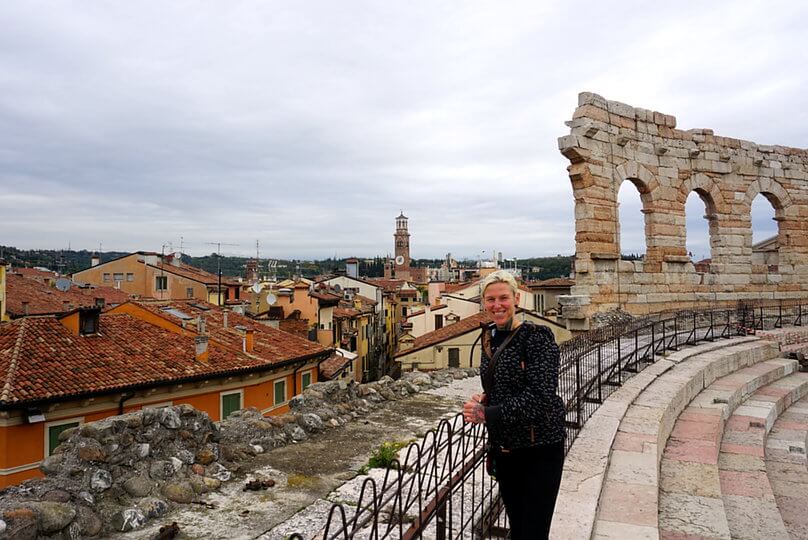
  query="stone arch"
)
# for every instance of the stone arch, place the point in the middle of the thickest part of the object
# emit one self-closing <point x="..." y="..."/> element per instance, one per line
<point x="707" y="189"/>
<point x="773" y="191"/>
<point x="712" y="197"/>
<point x="779" y="198"/>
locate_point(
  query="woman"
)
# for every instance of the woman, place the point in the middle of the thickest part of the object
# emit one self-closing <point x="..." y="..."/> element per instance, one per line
<point x="523" y="414"/>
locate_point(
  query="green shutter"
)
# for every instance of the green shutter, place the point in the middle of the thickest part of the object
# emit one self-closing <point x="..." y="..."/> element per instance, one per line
<point x="305" y="380"/>
<point x="280" y="392"/>
<point x="54" y="432"/>
<point x="230" y="404"/>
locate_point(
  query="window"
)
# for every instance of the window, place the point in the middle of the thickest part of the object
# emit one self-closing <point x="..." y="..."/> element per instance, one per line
<point x="189" y="292"/>
<point x="161" y="283"/>
<point x="454" y="357"/>
<point x="280" y="392"/>
<point x="54" y="429"/>
<point x="438" y="322"/>
<point x="305" y="380"/>
<point x="117" y="276"/>
<point x="130" y="277"/>
<point x="231" y="402"/>
<point x="106" y="277"/>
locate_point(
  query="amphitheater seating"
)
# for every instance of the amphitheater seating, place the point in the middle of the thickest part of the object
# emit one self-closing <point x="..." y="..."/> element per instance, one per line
<point x="678" y="451"/>
<point x="787" y="467"/>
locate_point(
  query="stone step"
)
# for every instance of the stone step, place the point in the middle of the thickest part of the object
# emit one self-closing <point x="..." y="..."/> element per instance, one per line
<point x="587" y="462"/>
<point x="749" y="501"/>
<point x="629" y="502"/>
<point x="690" y="501"/>
<point x="787" y="467"/>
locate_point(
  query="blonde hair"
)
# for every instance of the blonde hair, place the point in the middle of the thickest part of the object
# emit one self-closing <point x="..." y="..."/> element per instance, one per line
<point x="500" y="276"/>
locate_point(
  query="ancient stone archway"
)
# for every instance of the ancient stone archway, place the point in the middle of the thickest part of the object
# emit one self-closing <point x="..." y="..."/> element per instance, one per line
<point x="611" y="142"/>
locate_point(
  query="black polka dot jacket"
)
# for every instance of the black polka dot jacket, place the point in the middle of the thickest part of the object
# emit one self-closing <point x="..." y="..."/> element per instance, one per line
<point x="523" y="408"/>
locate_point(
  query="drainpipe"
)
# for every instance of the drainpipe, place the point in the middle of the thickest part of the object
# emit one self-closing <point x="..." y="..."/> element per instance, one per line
<point x="124" y="397"/>
<point x="294" y="377"/>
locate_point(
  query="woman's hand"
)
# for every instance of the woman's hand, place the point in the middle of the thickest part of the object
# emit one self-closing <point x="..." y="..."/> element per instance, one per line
<point x="473" y="409"/>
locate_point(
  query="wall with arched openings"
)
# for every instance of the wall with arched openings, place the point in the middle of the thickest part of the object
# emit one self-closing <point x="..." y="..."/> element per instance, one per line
<point x="611" y="143"/>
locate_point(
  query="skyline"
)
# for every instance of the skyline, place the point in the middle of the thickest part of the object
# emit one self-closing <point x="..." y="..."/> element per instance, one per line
<point x="309" y="127"/>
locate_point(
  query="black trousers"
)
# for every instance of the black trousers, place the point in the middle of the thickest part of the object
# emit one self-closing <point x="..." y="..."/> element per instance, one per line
<point x="529" y="479"/>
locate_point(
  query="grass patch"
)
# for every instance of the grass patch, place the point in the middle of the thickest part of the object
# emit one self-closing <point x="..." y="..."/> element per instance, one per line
<point x="383" y="456"/>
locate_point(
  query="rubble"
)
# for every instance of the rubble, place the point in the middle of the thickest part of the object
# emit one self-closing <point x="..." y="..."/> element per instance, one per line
<point x="117" y="474"/>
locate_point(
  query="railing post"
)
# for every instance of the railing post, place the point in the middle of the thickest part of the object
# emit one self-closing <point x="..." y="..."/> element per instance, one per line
<point x="600" y="371"/>
<point x="578" y="397"/>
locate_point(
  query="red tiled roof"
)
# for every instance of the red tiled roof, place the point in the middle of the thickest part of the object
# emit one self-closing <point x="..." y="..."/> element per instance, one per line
<point x="333" y="365"/>
<point x="453" y="287"/>
<point x="345" y="313"/>
<point x="463" y="326"/>
<point x="270" y="344"/>
<point x="41" y="360"/>
<point x="44" y="299"/>
<point x="422" y="311"/>
<point x="389" y="285"/>
<point x="560" y="282"/>
<point x="36" y="273"/>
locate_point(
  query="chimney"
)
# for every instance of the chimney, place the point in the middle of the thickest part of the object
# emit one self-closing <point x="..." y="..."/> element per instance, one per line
<point x="224" y="319"/>
<point x="25" y="307"/>
<point x="201" y="343"/>
<point x="66" y="305"/>
<point x="200" y="325"/>
<point x="249" y="340"/>
<point x="95" y="259"/>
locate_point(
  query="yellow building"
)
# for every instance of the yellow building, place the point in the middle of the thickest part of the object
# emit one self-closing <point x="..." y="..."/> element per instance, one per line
<point x="451" y="346"/>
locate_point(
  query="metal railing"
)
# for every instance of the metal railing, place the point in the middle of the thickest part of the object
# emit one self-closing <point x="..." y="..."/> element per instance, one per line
<point x="441" y="489"/>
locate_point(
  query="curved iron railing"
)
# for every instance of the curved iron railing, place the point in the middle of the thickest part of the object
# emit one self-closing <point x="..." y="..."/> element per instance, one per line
<point x="441" y="490"/>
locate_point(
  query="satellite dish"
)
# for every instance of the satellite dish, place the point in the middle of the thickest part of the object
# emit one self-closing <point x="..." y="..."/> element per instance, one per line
<point x="63" y="284"/>
<point x="256" y="288"/>
<point x="271" y="299"/>
<point x="400" y="260"/>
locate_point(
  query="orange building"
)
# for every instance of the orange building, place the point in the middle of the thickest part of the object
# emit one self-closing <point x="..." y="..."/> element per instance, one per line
<point x="59" y="372"/>
<point x="164" y="277"/>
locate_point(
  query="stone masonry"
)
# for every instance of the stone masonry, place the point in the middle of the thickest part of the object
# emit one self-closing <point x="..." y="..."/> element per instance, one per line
<point x="611" y="142"/>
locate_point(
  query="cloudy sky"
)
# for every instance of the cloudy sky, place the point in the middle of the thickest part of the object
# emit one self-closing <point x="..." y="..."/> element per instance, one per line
<point x="308" y="125"/>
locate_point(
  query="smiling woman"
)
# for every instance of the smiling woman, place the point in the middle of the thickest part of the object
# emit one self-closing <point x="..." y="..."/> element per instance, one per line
<point x="521" y="410"/>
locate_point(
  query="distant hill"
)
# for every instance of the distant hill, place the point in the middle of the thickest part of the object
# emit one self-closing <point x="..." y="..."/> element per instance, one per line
<point x="69" y="261"/>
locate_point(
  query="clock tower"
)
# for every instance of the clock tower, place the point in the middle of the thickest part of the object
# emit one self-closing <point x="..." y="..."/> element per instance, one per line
<point x="401" y="238"/>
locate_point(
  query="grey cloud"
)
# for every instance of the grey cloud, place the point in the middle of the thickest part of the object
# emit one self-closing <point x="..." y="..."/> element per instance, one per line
<point x="308" y="126"/>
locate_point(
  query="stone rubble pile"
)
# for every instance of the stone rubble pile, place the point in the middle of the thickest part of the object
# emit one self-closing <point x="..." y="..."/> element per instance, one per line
<point x="116" y="474"/>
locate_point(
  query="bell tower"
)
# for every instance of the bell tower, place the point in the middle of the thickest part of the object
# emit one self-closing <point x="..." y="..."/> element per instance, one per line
<point x="402" y="247"/>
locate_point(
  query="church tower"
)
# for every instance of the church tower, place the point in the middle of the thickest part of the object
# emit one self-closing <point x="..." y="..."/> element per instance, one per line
<point x="399" y="267"/>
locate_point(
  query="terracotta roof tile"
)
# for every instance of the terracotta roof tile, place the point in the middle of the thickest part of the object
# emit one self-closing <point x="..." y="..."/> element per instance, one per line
<point x="333" y="365"/>
<point x="552" y="282"/>
<point x="44" y="299"/>
<point x="270" y="344"/>
<point x="459" y="328"/>
<point x="40" y="359"/>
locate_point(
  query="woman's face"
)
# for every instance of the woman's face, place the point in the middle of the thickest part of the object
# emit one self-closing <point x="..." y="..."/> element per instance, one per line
<point x="499" y="301"/>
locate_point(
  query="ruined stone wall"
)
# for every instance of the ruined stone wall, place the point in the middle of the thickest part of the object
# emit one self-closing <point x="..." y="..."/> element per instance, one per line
<point x="610" y="143"/>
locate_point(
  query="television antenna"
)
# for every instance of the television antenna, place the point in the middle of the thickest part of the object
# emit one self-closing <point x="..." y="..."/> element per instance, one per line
<point x="219" y="266"/>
